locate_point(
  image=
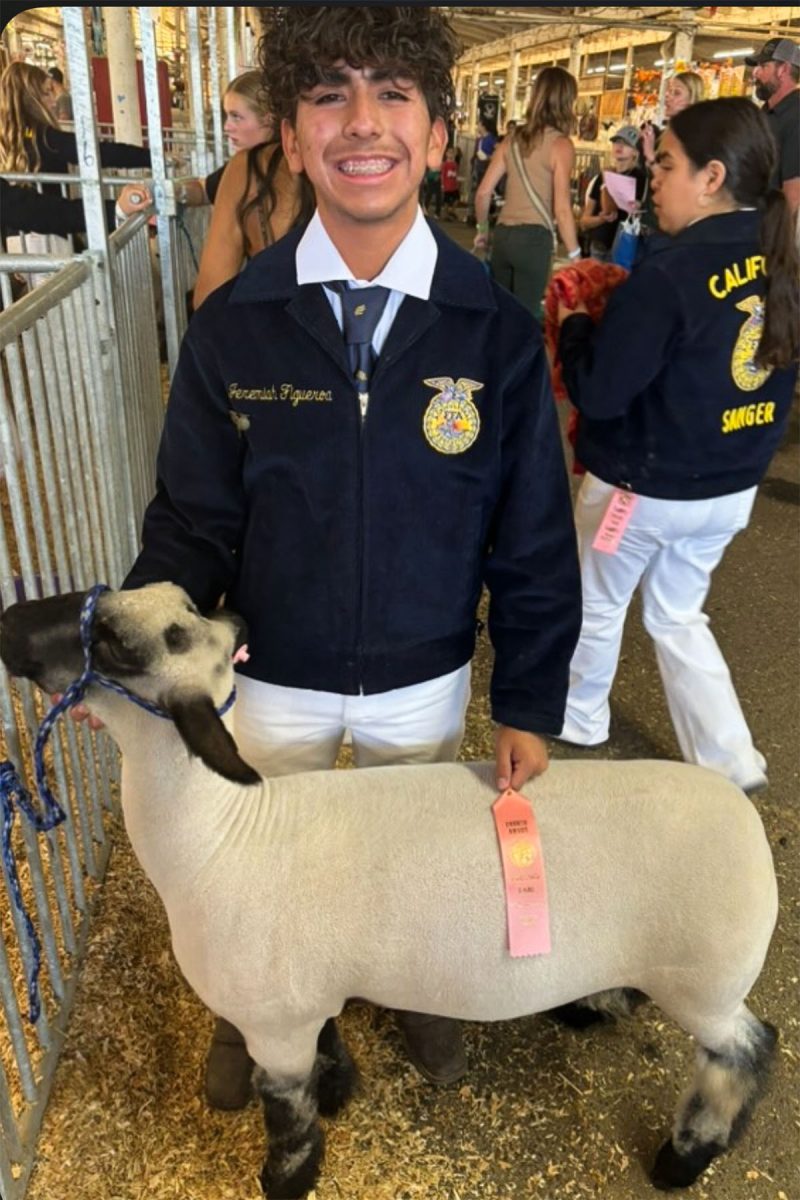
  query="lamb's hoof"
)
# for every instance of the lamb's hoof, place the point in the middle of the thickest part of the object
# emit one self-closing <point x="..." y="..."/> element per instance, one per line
<point x="277" y="1185"/>
<point x="335" y="1087"/>
<point x="673" y="1170"/>
<point x="576" y="1016"/>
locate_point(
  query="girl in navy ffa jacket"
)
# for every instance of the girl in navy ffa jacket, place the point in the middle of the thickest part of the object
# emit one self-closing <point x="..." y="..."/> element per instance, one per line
<point x="683" y="390"/>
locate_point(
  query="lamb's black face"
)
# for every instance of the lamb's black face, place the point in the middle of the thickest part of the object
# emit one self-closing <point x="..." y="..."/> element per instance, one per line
<point x="155" y="630"/>
<point x="154" y="641"/>
<point x="40" y="640"/>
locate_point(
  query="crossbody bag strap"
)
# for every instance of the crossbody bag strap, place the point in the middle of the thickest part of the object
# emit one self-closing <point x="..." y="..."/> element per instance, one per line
<point x="533" y="195"/>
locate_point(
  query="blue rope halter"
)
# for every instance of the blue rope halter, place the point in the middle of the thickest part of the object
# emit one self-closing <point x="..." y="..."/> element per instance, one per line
<point x="13" y="793"/>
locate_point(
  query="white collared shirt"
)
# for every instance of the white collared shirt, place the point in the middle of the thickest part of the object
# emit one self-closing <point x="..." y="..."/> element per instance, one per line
<point x="409" y="272"/>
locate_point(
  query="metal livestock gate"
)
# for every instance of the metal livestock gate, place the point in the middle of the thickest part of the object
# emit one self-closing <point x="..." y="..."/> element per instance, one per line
<point x="81" y="407"/>
<point x="80" y="414"/>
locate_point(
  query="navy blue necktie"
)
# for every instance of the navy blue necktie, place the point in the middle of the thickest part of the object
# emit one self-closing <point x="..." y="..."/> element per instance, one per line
<point x="361" y="310"/>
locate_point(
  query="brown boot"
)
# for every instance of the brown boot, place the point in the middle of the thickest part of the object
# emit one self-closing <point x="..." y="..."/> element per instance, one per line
<point x="434" y="1045"/>
<point x="228" y="1069"/>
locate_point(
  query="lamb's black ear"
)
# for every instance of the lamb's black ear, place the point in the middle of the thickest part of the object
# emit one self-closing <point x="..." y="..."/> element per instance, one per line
<point x="204" y="735"/>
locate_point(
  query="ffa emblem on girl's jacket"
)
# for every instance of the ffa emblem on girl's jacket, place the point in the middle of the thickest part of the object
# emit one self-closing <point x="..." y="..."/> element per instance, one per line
<point x="451" y="422"/>
<point x="746" y="375"/>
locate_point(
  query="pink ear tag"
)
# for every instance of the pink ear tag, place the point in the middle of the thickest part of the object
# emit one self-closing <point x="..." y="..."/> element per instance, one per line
<point x="615" y="521"/>
<point x="523" y="870"/>
<point x="242" y="654"/>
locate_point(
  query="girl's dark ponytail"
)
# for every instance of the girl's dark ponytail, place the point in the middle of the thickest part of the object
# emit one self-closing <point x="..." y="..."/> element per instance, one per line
<point x="780" y="341"/>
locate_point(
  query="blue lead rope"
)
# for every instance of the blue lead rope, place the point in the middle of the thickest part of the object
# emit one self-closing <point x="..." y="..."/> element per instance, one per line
<point x="13" y="793"/>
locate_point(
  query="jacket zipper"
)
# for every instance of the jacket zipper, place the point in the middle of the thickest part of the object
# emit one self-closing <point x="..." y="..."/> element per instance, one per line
<point x="360" y="606"/>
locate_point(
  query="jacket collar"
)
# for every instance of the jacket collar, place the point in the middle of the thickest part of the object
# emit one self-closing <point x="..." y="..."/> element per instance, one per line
<point x="459" y="279"/>
<point x="740" y="226"/>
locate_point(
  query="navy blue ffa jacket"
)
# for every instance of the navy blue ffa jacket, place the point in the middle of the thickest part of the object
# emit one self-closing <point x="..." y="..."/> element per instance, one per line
<point x="356" y="550"/>
<point x="672" y="404"/>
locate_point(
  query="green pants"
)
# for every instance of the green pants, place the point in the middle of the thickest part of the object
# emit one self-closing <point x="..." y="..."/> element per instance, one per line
<point x="521" y="256"/>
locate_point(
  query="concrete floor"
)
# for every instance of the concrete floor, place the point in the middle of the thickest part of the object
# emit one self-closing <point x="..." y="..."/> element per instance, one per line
<point x="544" y="1112"/>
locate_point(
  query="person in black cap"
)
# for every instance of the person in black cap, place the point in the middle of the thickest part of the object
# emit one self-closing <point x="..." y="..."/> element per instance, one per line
<point x="776" y="76"/>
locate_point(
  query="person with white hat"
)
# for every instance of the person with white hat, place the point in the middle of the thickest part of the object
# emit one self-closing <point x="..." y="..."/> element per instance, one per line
<point x="601" y="215"/>
<point x="776" y="76"/>
<point x="626" y="159"/>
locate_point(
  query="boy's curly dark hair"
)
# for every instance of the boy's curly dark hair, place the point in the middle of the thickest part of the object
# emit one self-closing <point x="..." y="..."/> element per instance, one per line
<point x="300" y="41"/>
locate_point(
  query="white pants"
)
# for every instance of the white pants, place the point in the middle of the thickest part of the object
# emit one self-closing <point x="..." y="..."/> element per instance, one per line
<point x="281" y="730"/>
<point x="671" y="547"/>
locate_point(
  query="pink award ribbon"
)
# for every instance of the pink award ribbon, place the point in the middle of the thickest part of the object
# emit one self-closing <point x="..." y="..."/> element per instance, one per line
<point x="615" y="521"/>
<point x="523" y="870"/>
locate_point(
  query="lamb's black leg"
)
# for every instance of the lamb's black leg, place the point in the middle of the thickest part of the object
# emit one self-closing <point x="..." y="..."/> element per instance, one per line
<point x="335" y="1071"/>
<point x="295" y="1137"/>
<point x="718" y="1105"/>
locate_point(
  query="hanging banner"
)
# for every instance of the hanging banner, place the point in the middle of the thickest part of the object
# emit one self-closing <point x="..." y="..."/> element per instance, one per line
<point x="489" y="109"/>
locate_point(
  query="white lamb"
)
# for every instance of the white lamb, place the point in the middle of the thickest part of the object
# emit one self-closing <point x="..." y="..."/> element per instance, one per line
<point x="287" y="896"/>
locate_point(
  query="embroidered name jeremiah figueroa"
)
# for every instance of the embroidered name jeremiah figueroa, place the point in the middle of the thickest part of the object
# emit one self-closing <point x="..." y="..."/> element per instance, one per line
<point x="285" y="392"/>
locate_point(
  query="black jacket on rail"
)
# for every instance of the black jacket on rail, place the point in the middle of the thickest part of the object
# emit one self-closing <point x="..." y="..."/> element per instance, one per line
<point x="24" y="210"/>
<point x="59" y="149"/>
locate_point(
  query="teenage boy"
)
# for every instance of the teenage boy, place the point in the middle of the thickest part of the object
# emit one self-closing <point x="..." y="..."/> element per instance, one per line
<point x="350" y="495"/>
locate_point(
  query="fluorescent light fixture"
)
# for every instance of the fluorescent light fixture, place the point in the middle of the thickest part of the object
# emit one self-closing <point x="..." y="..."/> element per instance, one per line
<point x="617" y="67"/>
<point x="664" y="62"/>
<point x="734" y="53"/>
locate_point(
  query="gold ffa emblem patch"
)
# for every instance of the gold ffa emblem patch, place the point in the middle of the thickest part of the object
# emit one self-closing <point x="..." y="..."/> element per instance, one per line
<point x="451" y="422"/>
<point x="747" y="376"/>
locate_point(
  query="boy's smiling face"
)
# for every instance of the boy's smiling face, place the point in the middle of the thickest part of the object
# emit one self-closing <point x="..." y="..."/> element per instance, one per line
<point x="364" y="139"/>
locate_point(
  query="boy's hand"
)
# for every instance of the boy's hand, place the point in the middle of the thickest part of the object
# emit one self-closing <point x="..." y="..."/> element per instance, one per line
<point x="79" y="713"/>
<point x="519" y="756"/>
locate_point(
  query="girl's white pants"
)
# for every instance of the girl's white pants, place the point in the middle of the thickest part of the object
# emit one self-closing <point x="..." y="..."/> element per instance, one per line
<point x="671" y="547"/>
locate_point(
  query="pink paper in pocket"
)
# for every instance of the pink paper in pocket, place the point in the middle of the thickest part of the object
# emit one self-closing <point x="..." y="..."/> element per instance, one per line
<point x="615" y="521"/>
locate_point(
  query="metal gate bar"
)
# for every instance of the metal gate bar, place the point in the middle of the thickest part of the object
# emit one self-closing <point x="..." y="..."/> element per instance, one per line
<point x="81" y="408"/>
<point x="74" y="444"/>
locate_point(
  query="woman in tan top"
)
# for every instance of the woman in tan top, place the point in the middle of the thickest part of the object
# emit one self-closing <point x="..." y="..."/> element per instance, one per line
<point x="525" y="234"/>
<point x="258" y="201"/>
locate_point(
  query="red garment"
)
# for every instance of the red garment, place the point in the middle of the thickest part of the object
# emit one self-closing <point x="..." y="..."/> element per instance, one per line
<point x="589" y="282"/>
<point x="449" y="176"/>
